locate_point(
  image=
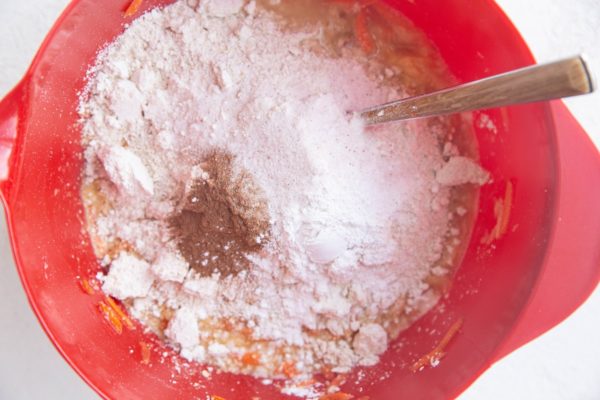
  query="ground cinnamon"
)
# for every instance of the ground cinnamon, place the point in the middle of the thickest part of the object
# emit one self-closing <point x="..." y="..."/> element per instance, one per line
<point x="223" y="217"/>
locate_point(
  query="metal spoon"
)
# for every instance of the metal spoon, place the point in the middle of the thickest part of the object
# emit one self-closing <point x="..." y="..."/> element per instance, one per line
<point x="565" y="78"/>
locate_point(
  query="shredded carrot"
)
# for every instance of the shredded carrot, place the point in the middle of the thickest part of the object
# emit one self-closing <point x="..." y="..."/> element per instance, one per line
<point x="306" y="383"/>
<point x="361" y="30"/>
<point x="328" y="374"/>
<point x="145" y="352"/>
<point x="337" y="396"/>
<point x="450" y="334"/>
<point x="338" y="380"/>
<point x="251" y="358"/>
<point x="506" y="209"/>
<point x="502" y="211"/>
<point x="111" y="317"/>
<point x="213" y="397"/>
<point x="438" y="351"/>
<point x="119" y="311"/>
<point x="387" y="13"/>
<point x="386" y="19"/>
<point x="289" y="369"/>
<point x="86" y="286"/>
<point x="133" y="8"/>
<point x="94" y="284"/>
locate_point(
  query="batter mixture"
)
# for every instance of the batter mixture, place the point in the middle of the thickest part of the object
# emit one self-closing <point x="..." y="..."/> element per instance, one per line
<point x="241" y="213"/>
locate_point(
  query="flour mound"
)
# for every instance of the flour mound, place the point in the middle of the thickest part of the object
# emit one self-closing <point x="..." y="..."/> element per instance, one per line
<point x="354" y="217"/>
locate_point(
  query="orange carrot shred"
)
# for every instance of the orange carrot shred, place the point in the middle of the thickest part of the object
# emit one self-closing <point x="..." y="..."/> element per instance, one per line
<point x="251" y="358"/>
<point x="502" y="211"/>
<point x="361" y="30"/>
<point x="506" y="209"/>
<point x="386" y="18"/>
<point x="328" y="374"/>
<point x="337" y="396"/>
<point x="86" y="287"/>
<point x="306" y="383"/>
<point x="289" y="369"/>
<point x="119" y="311"/>
<point x="133" y="8"/>
<point x="438" y="351"/>
<point x="450" y="334"/>
<point x="338" y="380"/>
<point x="390" y="15"/>
<point x="145" y="352"/>
<point x="213" y="397"/>
<point x="111" y="317"/>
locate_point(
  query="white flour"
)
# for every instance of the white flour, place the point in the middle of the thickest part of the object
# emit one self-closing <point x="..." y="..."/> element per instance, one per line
<point x="358" y="218"/>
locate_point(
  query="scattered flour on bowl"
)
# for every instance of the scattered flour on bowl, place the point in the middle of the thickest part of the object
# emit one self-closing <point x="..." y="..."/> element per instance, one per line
<point x="240" y="213"/>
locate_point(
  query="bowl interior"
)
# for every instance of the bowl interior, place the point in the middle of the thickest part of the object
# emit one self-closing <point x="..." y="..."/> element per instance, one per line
<point x="493" y="283"/>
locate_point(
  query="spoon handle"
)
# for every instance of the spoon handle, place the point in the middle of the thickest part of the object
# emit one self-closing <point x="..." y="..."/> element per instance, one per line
<point x="564" y="78"/>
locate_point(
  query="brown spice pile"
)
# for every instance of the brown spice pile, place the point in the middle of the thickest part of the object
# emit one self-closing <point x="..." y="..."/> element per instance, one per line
<point x="223" y="217"/>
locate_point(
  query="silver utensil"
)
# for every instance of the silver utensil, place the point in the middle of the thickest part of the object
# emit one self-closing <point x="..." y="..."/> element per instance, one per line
<point x="565" y="78"/>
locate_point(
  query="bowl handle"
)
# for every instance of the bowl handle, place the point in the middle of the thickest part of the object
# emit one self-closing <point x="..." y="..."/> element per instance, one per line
<point x="572" y="268"/>
<point x="10" y="117"/>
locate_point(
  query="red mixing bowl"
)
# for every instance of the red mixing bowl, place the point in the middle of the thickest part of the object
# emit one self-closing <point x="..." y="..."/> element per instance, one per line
<point x="506" y="292"/>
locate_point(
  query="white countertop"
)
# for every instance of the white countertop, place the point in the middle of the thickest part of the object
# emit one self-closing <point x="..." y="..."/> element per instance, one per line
<point x="562" y="364"/>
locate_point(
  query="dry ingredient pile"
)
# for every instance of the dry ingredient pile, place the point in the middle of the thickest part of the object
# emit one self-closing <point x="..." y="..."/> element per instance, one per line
<point x="239" y="211"/>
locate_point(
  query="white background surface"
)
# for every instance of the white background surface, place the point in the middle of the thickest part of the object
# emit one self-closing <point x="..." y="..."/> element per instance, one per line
<point x="562" y="364"/>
